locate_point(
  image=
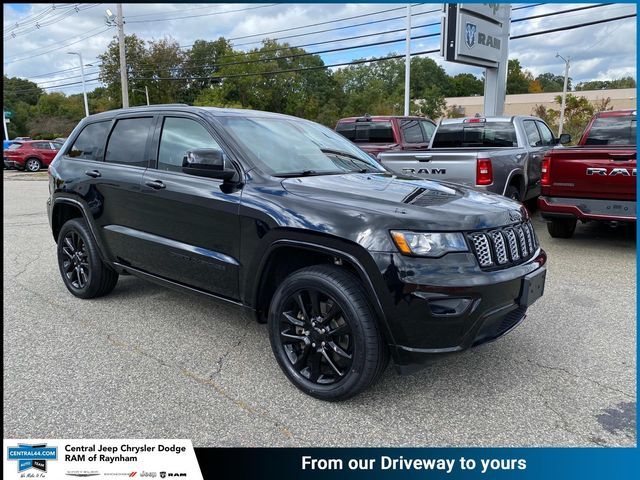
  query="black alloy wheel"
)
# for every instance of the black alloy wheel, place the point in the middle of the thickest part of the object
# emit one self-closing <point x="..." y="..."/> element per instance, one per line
<point x="83" y="272"/>
<point x="316" y="336"/>
<point x="324" y="333"/>
<point x="76" y="262"/>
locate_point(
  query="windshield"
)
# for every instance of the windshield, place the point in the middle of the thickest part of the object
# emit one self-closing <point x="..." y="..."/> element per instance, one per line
<point x="613" y="131"/>
<point x="281" y="146"/>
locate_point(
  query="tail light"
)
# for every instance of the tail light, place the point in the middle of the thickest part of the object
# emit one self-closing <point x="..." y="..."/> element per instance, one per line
<point x="545" y="178"/>
<point x="484" y="171"/>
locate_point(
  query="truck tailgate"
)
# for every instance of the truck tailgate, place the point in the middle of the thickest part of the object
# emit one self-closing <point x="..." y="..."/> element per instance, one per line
<point x="453" y="166"/>
<point x="587" y="172"/>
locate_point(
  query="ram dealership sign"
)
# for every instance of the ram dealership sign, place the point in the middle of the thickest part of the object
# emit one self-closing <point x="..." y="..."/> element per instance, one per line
<point x="475" y="33"/>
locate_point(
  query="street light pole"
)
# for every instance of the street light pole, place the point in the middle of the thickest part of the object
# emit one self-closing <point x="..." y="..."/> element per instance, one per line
<point x="4" y="123"/>
<point x="146" y="92"/>
<point x="567" y="61"/>
<point x="123" y="61"/>
<point x="84" y="87"/>
<point x="407" y="64"/>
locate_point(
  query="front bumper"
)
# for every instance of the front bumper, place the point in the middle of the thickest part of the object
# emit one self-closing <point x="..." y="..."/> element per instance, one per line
<point x="587" y="209"/>
<point x="436" y="308"/>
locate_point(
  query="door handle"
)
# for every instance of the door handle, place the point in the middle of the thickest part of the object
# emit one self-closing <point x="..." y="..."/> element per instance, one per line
<point x="423" y="157"/>
<point x="93" y="173"/>
<point x="155" y="184"/>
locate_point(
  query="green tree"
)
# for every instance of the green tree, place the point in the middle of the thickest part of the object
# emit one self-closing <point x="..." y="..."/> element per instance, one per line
<point x="624" y="82"/>
<point x="578" y="111"/>
<point x="552" y="83"/>
<point x="518" y="80"/>
<point x="18" y="95"/>
<point x="466" y="85"/>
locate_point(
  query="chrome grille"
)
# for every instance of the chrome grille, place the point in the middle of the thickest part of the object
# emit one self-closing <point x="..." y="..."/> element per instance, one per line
<point x="503" y="247"/>
<point x="481" y="248"/>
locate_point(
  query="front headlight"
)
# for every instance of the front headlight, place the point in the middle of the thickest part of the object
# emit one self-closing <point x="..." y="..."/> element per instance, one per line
<point x="429" y="244"/>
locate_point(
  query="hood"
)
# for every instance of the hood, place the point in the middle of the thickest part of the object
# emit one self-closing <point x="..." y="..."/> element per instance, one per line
<point x="409" y="202"/>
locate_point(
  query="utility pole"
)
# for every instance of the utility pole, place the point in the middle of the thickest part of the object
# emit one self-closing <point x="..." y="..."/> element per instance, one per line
<point x="4" y="124"/>
<point x="146" y="91"/>
<point x="407" y="64"/>
<point x="567" y="61"/>
<point x="123" y="60"/>
<point x="84" y="88"/>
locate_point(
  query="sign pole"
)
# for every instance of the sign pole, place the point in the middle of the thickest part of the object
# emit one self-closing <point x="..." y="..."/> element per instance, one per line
<point x="407" y="65"/>
<point x="495" y="79"/>
<point x="4" y="124"/>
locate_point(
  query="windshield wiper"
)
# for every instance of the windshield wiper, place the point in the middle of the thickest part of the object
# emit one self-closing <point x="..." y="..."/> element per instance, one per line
<point x="369" y="167"/>
<point x="305" y="173"/>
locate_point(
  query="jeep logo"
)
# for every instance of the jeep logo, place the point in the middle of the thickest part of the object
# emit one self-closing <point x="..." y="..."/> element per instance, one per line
<point x="614" y="171"/>
<point x="425" y="171"/>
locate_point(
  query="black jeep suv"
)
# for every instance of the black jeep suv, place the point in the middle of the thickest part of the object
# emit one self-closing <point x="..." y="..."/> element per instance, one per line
<point x="347" y="263"/>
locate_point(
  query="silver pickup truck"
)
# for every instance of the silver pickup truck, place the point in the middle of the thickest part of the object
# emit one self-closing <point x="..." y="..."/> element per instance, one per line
<point x="497" y="154"/>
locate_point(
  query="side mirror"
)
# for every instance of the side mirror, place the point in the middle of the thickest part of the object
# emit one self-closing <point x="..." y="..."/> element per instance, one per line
<point x="564" y="138"/>
<point x="208" y="162"/>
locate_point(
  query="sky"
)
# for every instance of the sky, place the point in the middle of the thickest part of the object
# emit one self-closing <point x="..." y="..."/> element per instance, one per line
<point x="37" y="37"/>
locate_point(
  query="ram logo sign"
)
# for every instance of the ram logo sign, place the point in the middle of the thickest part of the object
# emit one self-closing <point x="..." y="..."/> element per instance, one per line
<point x="470" y="34"/>
<point x="603" y="172"/>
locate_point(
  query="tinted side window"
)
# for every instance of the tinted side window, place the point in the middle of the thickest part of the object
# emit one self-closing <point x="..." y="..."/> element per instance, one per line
<point x="90" y="143"/>
<point x="128" y="141"/>
<point x="412" y="131"/>
<point x="613" y="131"/>
<point x="547" y="135"/>
<point x="56" y="145"/>
<point x="427" y="130"/>
<point x="180" y="135"/>
<point x="41" y="146"/>
<point x="533" y="136"/>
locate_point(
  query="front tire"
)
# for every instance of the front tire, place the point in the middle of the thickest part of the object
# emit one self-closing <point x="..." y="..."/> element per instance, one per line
<point x="324" y="333"/>
<point x="32" y="165"/>
<point x="83" y="272"/>
<point x="562" y="227"/>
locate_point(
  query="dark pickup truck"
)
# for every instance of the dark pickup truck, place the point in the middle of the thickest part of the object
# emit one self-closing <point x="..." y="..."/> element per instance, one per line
<point x="595" y="180"/>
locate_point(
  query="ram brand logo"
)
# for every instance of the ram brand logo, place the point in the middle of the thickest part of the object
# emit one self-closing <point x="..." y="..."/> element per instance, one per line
<point x="425" y="171"/>
<point x="603" y="172"/>
<point x="470" y="34"/>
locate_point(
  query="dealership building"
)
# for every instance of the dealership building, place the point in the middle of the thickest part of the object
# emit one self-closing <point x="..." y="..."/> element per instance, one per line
<point x="523" y="104"/>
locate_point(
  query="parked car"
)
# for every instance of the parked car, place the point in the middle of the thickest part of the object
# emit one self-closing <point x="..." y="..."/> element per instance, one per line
<point x="595" y="180"/>
<point x="60" y="139"/>
<point x="382" y="133"/>
<point x="347" y="263"/>
<point x="31" y="155"/>
<point x="496" y="154"/>
<point x="22" y="139"/>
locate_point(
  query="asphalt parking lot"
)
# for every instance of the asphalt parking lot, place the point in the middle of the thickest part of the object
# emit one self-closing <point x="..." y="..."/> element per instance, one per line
<point x="146" y="362"/>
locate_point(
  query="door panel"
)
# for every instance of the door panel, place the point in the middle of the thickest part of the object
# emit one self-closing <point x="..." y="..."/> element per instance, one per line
<point x="192" y="224"/>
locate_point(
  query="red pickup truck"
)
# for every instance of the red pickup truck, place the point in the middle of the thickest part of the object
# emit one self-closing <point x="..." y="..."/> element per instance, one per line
<point x="380" y="133"/>
<point x="595" y="180"/>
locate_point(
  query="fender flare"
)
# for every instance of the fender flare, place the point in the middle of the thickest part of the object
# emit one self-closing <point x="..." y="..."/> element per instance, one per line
<point x="513" y="173"/>
<point x="362" y="274"/>
<point x="84" y="210"/>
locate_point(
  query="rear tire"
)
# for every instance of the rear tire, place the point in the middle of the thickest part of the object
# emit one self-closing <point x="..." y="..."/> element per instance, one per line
<point x="32" y="165"/>
<point x="324" y="333"/>
<point x="513" y="193"/>
<point x="562" y="227"/>
<point x="83" y="272"/>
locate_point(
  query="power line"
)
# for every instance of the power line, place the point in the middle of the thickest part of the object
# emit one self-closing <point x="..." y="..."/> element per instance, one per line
<point x="181" y="11"/>
<point x="203" y="14"/>
<point x="60" y="47"/>
<point x="56" y="19"/>
<point x="550" y="14"/>
<point x="532" y="34"/>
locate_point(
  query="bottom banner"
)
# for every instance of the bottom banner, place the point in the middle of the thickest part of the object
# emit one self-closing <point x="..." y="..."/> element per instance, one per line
<point x="99" y="458"/>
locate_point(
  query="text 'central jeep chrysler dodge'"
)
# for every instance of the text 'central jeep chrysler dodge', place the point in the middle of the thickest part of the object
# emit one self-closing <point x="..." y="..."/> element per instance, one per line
<point x="349" y="264"/>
